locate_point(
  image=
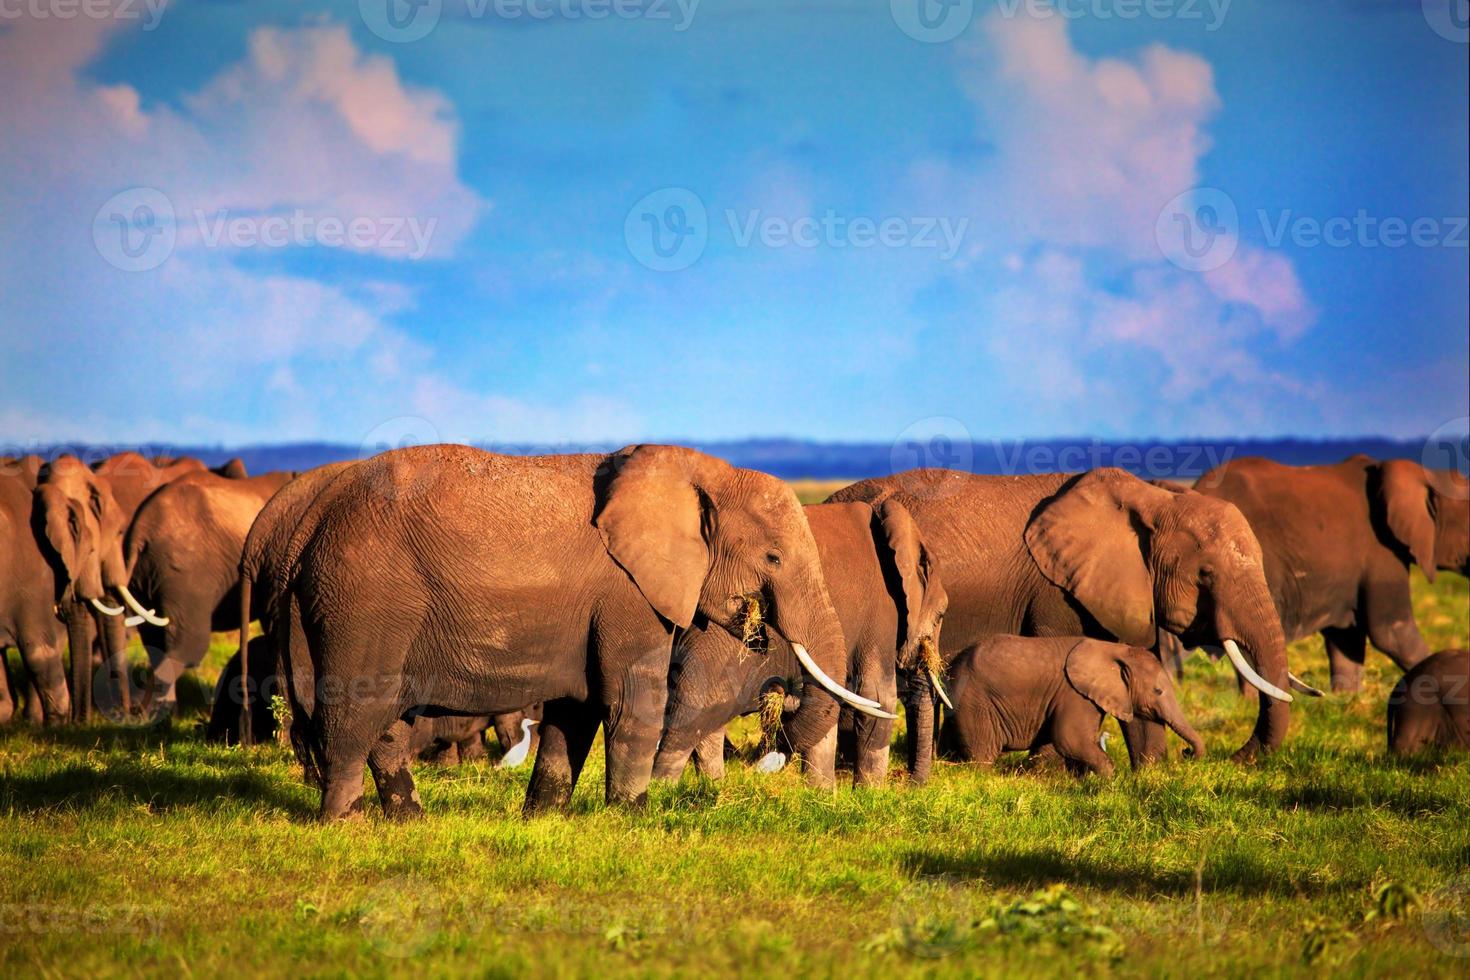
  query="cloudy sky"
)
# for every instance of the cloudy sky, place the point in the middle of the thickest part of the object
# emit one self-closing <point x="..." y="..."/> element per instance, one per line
<point x="571" y="220"/>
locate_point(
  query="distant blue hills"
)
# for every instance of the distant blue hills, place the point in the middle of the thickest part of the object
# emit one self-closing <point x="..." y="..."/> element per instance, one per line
<point x="799" y="458"/>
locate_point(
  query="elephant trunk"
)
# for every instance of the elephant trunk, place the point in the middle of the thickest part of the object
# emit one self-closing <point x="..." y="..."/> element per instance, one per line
<point x="79" y="638"/>
<point x="1262" y="645"/>
<point x="1173" y="716"/>
<point x="919" y="716"/>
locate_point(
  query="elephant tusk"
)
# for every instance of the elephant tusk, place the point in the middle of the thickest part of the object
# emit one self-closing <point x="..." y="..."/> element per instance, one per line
<point x="1255" y="680"/>
<point x="148" y="615"/>
<point x="939" y="689"/>
<point x="857" y="701"/>
<point x="133" y="621"/>
<point x="1302" y="687"/>
<point x="105" y="609"/>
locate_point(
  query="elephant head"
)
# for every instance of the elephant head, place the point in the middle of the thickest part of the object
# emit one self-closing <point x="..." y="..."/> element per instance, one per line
<point x="81" y="523"/>
<point x="1127" y="683"/>
<point x="1139" y="557"/>
<point x="707" y="543"/>
<point x="1427" y="512"/>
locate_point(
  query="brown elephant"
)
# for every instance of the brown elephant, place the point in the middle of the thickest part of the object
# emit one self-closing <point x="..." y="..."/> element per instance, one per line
<point x="26" y="468"/>
<point x="1338" y="541"/>
<point x="47" y="559"/>
<point x="1104" y="555"/>
<point x="1015" y="693"/>
<point x="182" y="560"/>
<point x="445" y="579"/>
<point x="1430" y="705"/>
<point x="132" y="478"/>
<point x="888" y="597"/>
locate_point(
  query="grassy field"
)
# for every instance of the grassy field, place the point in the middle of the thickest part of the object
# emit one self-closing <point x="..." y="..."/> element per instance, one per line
<point x="129" y="851"/>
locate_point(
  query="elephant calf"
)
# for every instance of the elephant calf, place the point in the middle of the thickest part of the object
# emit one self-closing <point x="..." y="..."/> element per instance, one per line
<point x="1430" y="705"/>
<point x="1012" y="693"/>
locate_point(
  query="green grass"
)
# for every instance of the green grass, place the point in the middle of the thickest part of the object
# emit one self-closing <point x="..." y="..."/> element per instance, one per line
<point x="140" y="852"/>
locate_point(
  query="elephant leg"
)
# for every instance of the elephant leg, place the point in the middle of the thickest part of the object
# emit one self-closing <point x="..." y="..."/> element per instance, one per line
<point x="875" y="735"/>
<point x="709" y="754"/>
<point x="821" y="761"/>
<point x="567" y="730"/>
<point x="115" y="651"/>
<point x="846" y="755"/>
<point x="1345" y="651"/>
<point x="389" y="763"/>
<point x="635" y="694"/>
<point x="471" y="749"/>
<point x="49" y="702"/>
<point x="1043" y="757"/>
<point x="1082" y="753"/>
<point x="1147" y="741"/>
<point x="81" y="633"/>
<point x="7" y="696"/>
<point x="670" y="762"/>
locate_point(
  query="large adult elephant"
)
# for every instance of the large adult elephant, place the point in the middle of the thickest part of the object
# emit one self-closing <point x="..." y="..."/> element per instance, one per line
<point x="245" y="712"/>
<point x="445" y="579"/>
<point x="1338" y="541"/>
<point x="1100" y="554"/>
<point x="182" y="562"/>
<point x="63" y="535"/>
<point x="889" y="599"/>
<point x="132" y="478"/>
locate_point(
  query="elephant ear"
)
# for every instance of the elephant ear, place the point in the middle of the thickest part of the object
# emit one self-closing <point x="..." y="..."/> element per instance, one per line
<point x="1096" y="670"/>
<point x="652" y="522"/>
<point x="1404" y="495"/>
<point x="62" y="521"/>
<point x="1086" y="540"/>
<point x="910" y="558"/>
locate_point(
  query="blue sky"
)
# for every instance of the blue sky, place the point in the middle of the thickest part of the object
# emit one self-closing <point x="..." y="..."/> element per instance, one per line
<point x="1027" y="175"/>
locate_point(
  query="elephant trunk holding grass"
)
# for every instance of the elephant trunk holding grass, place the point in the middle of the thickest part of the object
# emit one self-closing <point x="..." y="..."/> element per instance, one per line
<point x="1337" y="542"/>
<point x="1014" y="693"/>
<point x="445" y="579"/>
<point x="887" y="595"/>
<point x="1105" y="555"/>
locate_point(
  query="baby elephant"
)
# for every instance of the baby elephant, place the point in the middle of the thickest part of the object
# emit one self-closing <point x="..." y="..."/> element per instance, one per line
<point x="1012" y="693"/>
<point x="1430" y="705"/>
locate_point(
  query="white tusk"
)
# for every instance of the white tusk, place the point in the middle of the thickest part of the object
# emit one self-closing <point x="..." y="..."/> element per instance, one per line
<point x="857" y="701"/>
<point x="771" y="762"/>
<point x="1255" y="680"/>
<point x="148" y="615"/>
<point x="105" y="609"/>
<point x="1302" y="687"/>
<point x="939" y="689"/>
<point x="133" y="621"/>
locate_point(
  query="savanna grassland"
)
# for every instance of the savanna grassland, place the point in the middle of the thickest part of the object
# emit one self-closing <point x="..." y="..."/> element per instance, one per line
<point x="138" y="851"/>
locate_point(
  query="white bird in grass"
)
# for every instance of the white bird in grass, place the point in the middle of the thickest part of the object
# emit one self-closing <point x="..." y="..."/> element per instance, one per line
<point x="516" y="754"/>
<point x="1102" y="740"/>
<point x="771" y="762"/>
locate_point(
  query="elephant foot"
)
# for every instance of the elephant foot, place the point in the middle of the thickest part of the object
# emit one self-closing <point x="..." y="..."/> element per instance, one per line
<point x="399" y="796"/>
<point x="634" y="802"/>
<point x="1247" y="753"/>
<point x="353" y="812"/>
<point x="547" y="794"/>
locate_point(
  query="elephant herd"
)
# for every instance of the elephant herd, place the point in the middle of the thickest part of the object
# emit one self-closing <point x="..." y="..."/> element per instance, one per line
<point x="412" y="601"/>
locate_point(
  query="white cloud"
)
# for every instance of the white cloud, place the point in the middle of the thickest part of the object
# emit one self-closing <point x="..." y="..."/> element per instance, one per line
<point x="305" y="123"/>
<point x="1070" y="292"/>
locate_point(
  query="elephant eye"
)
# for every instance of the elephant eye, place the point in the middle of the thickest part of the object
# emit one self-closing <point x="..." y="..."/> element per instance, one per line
<point x="774" y="559"/>
<point x="1159" y="691"/>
